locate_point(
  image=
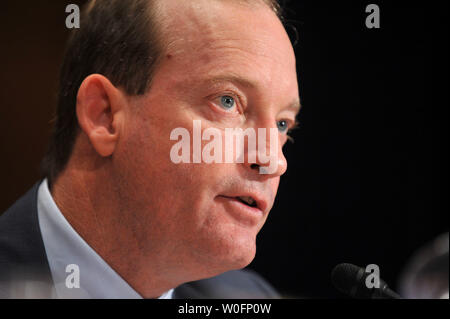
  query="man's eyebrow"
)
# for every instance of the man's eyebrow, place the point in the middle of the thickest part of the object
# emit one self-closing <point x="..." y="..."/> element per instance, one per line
<point x="233" y="79"/>
<point x="295" y="106"/>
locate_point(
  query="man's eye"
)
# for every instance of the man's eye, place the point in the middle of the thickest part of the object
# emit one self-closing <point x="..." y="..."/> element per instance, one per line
<point x="227" y="102"/>
<point x="282" y="126"/>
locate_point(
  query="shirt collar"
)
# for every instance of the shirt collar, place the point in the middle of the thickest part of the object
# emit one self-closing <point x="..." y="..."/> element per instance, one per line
<point x="64" y="247"/>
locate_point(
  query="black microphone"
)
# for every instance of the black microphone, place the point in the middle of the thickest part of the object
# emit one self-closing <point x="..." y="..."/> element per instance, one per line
<point x="351" y="280"/>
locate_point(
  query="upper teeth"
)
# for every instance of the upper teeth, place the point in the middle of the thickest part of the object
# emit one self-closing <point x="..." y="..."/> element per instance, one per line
<point x="248" y="200"/>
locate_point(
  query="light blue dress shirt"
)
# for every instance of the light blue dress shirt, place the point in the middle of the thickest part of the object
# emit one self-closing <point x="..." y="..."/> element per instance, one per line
<point x="65" y="247"/>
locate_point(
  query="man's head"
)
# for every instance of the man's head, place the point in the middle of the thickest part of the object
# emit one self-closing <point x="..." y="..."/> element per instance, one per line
<point x="121" y="40"/>
<point x="228" y="63"/>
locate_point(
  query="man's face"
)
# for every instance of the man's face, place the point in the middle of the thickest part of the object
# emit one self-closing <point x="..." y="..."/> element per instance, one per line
<point x="188" y="213"/>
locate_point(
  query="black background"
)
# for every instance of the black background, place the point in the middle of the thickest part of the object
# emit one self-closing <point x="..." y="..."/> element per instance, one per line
<point x="367" y="178"/>
<point x="367" y="175"/>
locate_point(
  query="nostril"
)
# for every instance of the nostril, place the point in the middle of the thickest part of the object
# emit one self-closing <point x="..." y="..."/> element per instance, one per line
<point x="254" y="166"/>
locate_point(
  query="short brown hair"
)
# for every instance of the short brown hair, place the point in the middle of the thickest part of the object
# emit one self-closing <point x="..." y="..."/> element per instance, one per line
<point x="118" y="39"/>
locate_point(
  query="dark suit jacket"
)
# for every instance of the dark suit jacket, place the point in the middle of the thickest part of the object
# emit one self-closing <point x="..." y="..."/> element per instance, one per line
<point x="24" y="268"/>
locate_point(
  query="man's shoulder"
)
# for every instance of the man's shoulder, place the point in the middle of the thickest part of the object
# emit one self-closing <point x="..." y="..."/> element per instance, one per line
<point x="236" y="284"/>
<point x="22" y="252"/>
<point x="19" y="228"/>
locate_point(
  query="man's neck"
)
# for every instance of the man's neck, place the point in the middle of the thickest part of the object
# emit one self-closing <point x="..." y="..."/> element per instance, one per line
<point x="91" y="207"/>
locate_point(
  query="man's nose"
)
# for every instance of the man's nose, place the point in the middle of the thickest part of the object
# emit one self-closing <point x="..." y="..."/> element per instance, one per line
<point x="268" y="159"/>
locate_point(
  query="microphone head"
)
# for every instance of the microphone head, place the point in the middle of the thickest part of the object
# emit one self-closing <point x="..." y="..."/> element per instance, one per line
<point x="351" y="279"/>
<point x="346" y="277"/>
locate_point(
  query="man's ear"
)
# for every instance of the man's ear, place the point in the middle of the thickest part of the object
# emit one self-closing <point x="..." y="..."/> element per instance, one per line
<point x="100" y="112"/>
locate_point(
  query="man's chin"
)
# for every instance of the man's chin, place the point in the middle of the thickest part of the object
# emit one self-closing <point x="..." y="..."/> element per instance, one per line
<point x="216" y="256"/>
<point x="235" y="254"/>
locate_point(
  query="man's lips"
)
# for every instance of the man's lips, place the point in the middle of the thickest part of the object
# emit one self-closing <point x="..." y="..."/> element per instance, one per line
<point x="250" y="199"/>
<point x="241" y="211"/>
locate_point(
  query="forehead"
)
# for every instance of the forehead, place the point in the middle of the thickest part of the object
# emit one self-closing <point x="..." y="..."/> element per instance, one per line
<point x="243" y="38"/>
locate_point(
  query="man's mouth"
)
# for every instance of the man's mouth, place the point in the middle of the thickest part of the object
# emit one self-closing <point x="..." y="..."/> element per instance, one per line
<point x="251" y="201"/>
<point x="247" y="200"/>
<point x="243" y="208"/>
